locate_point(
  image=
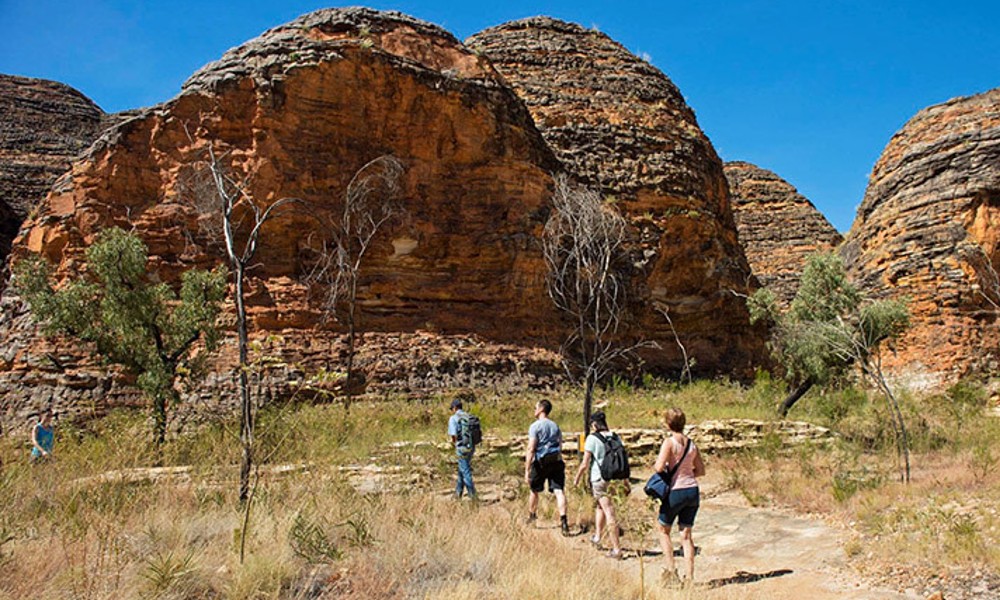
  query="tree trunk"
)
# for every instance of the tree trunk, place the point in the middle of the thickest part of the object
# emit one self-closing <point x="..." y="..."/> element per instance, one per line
<point x="352" y="303"/>
<point x="795" y="396"/>
<point x="246" y="407"/>
<point x="588" y="399"/>
<point x="903" y="442"/>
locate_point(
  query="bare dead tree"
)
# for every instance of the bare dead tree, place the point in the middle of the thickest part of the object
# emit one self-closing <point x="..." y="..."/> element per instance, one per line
<point x="370" y="202"/>
<point x="229" y="213"/>
<point x="584" y="243"/>
<point x="686" y="371"/>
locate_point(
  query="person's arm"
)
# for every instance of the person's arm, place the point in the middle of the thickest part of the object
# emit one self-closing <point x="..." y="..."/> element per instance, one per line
<point x="699" y="465"/>
<point x="663" y="459"/>
<point x="584" y="464"/>
<point x="529" y="457"/>
<point x="34" y="439"/>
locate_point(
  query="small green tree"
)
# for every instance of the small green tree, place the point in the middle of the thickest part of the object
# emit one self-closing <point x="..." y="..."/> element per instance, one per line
<point x="144" y="326"/>
<point x="829" y="329"/>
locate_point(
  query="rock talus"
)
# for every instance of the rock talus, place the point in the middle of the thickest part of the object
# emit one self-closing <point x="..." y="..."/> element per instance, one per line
<point x="929" y="230"/>
<point x="778" y="227"/>
<point x="621" y="126"/>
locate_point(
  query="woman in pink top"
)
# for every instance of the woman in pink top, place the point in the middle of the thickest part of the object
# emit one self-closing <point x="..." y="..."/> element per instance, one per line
<point x="684" y="497"/>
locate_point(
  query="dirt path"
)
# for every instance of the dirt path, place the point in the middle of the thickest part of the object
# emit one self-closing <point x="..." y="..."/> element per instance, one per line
<point x="744" y="552"/>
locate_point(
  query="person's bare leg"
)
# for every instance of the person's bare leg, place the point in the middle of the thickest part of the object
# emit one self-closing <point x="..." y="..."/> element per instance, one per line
<point x="608" y="511"/>
<point x="560" y="502"/>
<point x="598" y="522"/>
<point x="687" y="543"/>
<point x="668" y="548"/>
<point x="533" y="503"/>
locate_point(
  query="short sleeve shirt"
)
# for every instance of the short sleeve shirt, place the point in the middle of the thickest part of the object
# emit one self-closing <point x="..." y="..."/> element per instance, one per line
<point x="548" y="435"/>
<point x="453" y="430"/>
<point x="596" y="448"/>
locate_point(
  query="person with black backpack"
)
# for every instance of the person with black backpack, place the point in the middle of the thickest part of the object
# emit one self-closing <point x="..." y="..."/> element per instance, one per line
<point x="605" y="456"/>
<point x="465" y="431"/>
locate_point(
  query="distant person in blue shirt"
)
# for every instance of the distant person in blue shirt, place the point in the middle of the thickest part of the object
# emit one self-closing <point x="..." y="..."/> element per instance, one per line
<point x="543" y="462"/>
<point x="42" y="437"/>
<point x="464" y="449"/>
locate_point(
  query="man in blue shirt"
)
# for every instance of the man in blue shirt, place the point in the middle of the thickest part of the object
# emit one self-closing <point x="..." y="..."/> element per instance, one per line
<point x="463" y="449"/>
<point x="543" y="462"/>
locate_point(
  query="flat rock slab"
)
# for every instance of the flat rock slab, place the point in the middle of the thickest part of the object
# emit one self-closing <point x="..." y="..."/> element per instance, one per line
<point x="772" y="554"/>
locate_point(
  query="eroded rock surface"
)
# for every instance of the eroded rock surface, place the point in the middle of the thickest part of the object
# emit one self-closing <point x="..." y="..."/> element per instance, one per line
<point x="620" y="125"/>
<point x="43" y="126"/>
<point x="779" y="227"/>
<point x="302" y="107"/>
<point x="928" y="229"/>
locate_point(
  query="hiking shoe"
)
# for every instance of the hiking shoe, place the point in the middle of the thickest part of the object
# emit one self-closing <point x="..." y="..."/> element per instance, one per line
<point x="531" y="520"/>
<point x="596" y="540"/>
<point x="565" y="528"/>
<point x="615" y="554"/>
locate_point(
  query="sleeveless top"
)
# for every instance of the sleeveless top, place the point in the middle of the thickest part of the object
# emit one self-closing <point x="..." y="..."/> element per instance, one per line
<point x="684" y="477"/>
<point x="45" y="438"/>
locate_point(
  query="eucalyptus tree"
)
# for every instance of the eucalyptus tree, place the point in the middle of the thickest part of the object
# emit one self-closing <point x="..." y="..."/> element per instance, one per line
<point x="830" y="329"/>
<point x="146" y="326"/>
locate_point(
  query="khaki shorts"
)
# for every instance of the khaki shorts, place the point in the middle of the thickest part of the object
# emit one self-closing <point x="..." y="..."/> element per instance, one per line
<point x="599" y="489"/>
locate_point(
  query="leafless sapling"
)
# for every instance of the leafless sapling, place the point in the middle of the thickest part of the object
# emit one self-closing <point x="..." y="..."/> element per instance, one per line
<point x="370" y="202"/>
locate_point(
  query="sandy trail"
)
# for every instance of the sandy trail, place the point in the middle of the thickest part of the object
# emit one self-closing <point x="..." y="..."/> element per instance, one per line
<point x="744" y="552"/>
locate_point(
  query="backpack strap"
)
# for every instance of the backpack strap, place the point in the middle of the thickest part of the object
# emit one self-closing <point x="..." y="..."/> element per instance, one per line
<point x="598" y="435"/>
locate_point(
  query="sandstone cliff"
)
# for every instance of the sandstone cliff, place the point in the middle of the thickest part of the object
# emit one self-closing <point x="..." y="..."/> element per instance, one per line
<point x="779" y="227"/>
<point x="620" y="125"/>
<point x="301" y="108"/>
<point x="928" y="229"/>
<point x="43" y="126"/>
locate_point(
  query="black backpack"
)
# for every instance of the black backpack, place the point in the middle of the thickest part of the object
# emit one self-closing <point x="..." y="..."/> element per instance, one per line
<point x="470" y="431"/>
<point x="615" y="463"/>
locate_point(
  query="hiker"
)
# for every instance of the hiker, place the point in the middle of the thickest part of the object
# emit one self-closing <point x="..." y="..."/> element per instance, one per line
<point x="595" y="451"/>
<point x="543" y="462"/>
<point x="460" y="430"/>
<point x="679" y="454"/>
<point x="42" y="437"/>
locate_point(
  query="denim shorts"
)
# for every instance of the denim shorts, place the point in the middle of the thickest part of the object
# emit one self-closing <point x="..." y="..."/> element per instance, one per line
<point x="683" y="506"/>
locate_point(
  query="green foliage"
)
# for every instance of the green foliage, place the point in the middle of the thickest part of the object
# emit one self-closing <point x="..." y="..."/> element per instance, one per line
<point x="830" y="325"/>
<point x="309" y="540"/>
<point x="132" y="320"/>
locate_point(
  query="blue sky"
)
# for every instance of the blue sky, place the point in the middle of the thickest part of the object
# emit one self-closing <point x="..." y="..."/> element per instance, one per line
<point x="812" y="90"/>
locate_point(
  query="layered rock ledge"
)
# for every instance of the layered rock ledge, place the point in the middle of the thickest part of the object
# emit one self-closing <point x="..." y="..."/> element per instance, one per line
<point x="928" y="230"/>
<point x="44" y="125"/>
<point x="778" y="227"/>
<point x="621" y="126"/>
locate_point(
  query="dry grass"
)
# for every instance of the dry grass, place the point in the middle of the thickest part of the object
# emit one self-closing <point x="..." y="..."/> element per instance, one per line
<point x="313" y="536"/>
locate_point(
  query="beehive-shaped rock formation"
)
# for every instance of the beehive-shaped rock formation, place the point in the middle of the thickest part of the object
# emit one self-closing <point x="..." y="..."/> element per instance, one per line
<point x="43" y="126"/>
<point x="301" y="108"/>
<point x="929" y="228"/>
<point x="779" y="227"/>
<point x="621" y="126"/>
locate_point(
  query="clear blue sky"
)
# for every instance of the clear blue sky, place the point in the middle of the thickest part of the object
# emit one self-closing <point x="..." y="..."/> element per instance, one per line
<point x="811" y="89"/>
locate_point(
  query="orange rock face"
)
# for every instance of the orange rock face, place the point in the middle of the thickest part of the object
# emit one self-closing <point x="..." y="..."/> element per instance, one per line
<point x="779" y="227"/>
<point x="302" y="108"/>
<point x="621" y="126"/>
<point x="928" y="230"/>
<point x="454" y="294"/>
